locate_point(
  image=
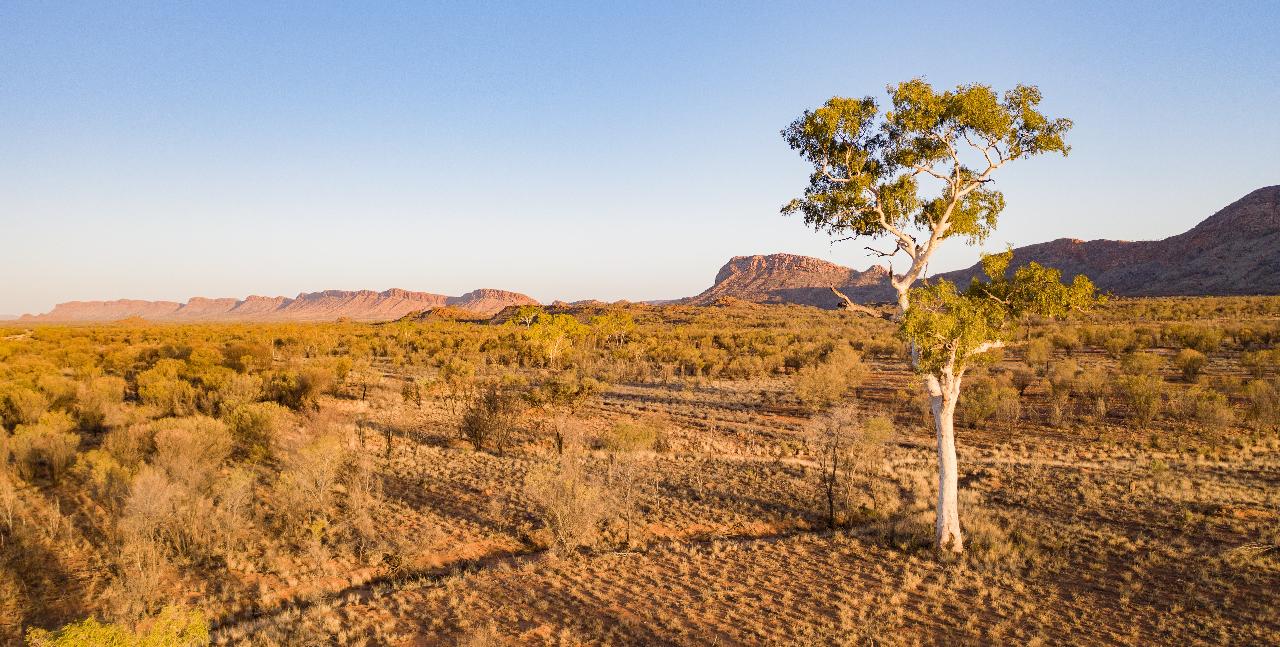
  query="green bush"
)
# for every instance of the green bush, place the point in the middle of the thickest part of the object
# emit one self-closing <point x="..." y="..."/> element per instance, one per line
<point x="255" y="428"/>
<point x="1144" y="395"/>
<point x="1191" y="362"/>
<point x="632" y="436"/>
<point x="987" y="399"/>
<point x="172" y="628"/>
<point x="1207" y="407"/>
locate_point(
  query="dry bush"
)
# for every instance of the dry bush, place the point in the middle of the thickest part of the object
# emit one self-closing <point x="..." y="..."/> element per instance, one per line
<point x="569" y="500"/>
<point x="46" y="448"/>
<point x="255" y="429"/>
<point x="1141" y="364"/>
<point x="1207" y="407"/>
<point x="489" y="419"/>
<point x="850" y="450"/>
<point x="298" y="389"/>
<point x="108" y="480"/>
<point x="362" y="507"/>
<point x="1036" y="355"/>
<point x="303" y="493"/>
<point x="130" y="445"/>
<point x="1263" y="400"/>
<point x="632" y="436"/>
<point x="985" y="399"/>
<point x="162" y="387"/>
<point x="1261" y="362"/>
<point x="21" y="406"/>
<point x="191" y="450"/>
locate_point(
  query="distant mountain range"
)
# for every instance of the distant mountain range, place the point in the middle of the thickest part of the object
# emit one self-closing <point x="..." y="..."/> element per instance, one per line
<point x="1236" y="251"/>
<point x="359" y="305"/>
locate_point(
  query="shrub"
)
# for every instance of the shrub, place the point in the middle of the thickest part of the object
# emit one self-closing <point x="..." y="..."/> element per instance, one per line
<point x="174" y="627"/>
<point x="130" y="445"/>
<point x="631" y="436"/>
<point x="21" y="406"/>
<point x="1207" y="407"/>
<point x="1037" y="353"/>
<point x="299" y="389"/>
<point x="1140" y="364"/>
<point x="489" y="419"/>
<point x="1144" y="394"/>
<point x="827" y="382"/>
<point x="986" y="399"/>
<point x="162" y="387"/>
<point x="1263" y="403"/>
<point x="1259" y="362"/>
<point x="850" y="451"/>
<point x="254" y="429"/>
<point x="569" y="501"/>
<point x="191" y="450"/>
<point x="1191" y="362"/>
<point x="45" y="448"/>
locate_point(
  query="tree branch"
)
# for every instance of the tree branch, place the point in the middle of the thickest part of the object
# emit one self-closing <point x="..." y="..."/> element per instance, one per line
<point x="856" y="307"/>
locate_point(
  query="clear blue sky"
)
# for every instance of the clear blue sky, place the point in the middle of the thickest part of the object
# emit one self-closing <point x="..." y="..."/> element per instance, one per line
<point x="564" y="150"/>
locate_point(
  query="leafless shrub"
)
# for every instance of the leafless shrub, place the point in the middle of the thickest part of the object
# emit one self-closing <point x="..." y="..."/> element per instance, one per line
<point x="570" y="501"/>
<point x="489" y="419"/>
<point x="850" y="450"/>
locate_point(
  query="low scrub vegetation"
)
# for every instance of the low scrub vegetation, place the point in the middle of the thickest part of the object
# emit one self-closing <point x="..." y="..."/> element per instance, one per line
<point x="164" y="484"/>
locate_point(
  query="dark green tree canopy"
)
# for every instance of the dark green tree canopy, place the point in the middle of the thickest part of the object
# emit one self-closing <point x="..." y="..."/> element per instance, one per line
<point x="869" y="164"/>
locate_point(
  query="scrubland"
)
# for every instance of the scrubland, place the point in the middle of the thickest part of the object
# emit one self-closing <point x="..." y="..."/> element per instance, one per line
<point x="630" y="474"/>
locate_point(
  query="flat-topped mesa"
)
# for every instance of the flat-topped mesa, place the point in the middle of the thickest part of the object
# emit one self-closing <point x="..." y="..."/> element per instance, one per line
<point x="327" y="305"/>
<point x="791" y="278"/>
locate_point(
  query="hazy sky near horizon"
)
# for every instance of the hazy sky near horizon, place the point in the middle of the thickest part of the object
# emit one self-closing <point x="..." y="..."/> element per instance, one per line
<point x="564" y="150"/>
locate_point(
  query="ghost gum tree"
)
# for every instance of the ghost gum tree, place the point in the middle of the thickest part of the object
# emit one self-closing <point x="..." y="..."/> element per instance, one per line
<point x="919" y="174"/>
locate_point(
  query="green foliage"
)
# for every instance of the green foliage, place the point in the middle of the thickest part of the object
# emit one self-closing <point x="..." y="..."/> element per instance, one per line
<point x="950" y="328"/>
<point x="825" y="383"/>
<point x="867" y="163"/>
<point x="174" y="627"/>
<point x="1190" y="362"/>
<point x="255" y="428"/>
<point x="552" y="335"/>
<point x="987" y="399"/>
<point x="614" y="327"/>
<point x="632" y="436"/>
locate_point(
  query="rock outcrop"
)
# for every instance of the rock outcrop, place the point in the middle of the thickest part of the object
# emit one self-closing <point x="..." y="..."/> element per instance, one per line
<point x="788" y="278"/>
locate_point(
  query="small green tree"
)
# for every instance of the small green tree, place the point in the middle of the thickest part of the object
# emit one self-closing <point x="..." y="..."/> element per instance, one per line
<point x="552" y="335"/>
<point x="868" y="169"/>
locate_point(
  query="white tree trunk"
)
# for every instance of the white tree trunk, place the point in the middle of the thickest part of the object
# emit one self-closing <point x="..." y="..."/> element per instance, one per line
<point x="942" y="401"/>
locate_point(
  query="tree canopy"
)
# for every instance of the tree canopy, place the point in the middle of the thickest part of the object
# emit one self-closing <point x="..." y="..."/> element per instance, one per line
<point x="869" y="164"/>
